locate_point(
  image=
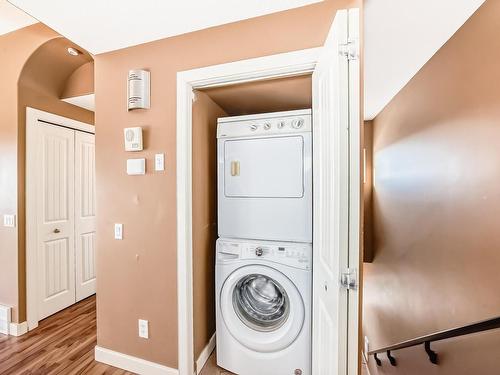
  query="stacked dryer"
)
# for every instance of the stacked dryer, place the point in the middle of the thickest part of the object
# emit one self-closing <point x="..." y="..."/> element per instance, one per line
<point x="264" y="252"/>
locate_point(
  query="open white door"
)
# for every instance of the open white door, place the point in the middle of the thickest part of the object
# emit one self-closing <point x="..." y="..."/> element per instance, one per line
<point x="85" y="226"/>
<point x="55" y="218"/>
<point x="335" y="98"/>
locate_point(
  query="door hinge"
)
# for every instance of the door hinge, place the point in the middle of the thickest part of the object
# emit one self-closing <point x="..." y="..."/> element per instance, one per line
<point x="349" y="279"/>
<point x="349" y="50"/>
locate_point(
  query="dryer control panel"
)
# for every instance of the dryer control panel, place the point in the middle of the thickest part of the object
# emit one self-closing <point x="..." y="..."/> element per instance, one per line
<point x="287" y="253"/>
<point x="289" y="122"/>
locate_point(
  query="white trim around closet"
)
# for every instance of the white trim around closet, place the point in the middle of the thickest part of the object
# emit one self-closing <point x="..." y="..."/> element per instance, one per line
<point x="273" y="66"/>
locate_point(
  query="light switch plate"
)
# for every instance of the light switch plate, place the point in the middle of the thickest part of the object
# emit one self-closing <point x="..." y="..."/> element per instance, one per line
<point x="9" y="221"/>
<point x="118" y="231"/>
<point x="159" y="162"/>
<point x="143" y="329"/>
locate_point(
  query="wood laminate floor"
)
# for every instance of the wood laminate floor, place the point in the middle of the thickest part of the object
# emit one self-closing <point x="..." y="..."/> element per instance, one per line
<point x="62" y="344"/>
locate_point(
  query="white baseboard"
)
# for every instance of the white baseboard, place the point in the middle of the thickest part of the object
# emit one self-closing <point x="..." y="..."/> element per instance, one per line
<point x="18" y="329"/>
<point x="5" y="312"/>
<point x="205" y="354"/>
<point x="130" y="363"/>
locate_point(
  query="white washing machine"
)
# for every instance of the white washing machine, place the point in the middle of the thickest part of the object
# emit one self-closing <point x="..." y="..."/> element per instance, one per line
<point x="263" y="307"/>
<point x="265" y="176"/>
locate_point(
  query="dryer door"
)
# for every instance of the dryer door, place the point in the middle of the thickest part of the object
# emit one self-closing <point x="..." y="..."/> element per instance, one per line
<point x="262" y="308"/>
<point x="264" y="167"/>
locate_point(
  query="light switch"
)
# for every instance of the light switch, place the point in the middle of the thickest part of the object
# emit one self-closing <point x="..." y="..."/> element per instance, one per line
<point x="143" y="329"/>
<point x="9" y="221"/>
<point x="136" y="166"/>
<point x="159" y="162"/>
<point x="118" y="231"/>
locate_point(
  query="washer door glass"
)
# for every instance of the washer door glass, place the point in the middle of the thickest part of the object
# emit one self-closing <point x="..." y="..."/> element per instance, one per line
<point x="261" y="303"/>
<point x="262" y="308"/>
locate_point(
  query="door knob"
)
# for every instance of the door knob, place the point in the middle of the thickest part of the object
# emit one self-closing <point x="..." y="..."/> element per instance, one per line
<point x="57" y="230"/>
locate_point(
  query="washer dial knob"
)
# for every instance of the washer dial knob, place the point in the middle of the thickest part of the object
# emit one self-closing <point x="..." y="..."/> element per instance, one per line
<point x="267" y="126"/>
<point x="253" y="127"/>
<point x="297" y="124"/>
<point x="281" y="124"/>
<point x="259" y="251"/>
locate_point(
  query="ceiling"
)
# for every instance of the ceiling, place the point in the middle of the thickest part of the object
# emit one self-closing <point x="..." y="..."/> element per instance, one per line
<point x="400" y="37"/>
<point x="283" y="94"/>
<point x="101" y="26"/>
<point x="12" y="18"/>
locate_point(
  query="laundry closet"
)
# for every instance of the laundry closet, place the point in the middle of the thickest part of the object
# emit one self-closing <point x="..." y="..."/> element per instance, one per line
<point x="252" y="225"/>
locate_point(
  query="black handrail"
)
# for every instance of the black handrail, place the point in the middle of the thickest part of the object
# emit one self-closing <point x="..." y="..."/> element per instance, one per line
<point x="481" y="326"/>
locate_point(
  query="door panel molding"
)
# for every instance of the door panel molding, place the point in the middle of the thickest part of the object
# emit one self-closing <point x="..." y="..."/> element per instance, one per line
<point x="55" y="192"/>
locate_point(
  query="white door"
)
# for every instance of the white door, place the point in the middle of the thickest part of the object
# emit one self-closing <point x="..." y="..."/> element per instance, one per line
<point x="85" y="225"/>
<point x="332" y="90"/>
<point x="55" y="218"/>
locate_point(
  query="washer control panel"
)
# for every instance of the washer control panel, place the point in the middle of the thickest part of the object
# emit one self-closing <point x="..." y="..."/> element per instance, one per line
<point x="288" y="253"/>
<point x="266" y="124"/>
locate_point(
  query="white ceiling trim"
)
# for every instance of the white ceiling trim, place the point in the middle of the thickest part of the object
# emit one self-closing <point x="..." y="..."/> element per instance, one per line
<point x="400" y="37"/>
<point x="102" y="26"/>
<point x="12" y="19"/>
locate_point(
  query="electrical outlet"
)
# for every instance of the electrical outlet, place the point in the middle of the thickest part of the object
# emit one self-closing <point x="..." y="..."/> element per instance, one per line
<point x="143" y="329"/>
<point x="9" y="221"/>
<point x="118" y="231"/>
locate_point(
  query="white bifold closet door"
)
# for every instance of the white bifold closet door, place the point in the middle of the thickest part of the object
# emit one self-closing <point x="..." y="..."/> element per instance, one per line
<point x="65" y="217"/>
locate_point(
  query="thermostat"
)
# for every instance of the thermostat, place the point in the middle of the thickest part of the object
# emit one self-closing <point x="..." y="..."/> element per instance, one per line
<point x="133" y="139"/>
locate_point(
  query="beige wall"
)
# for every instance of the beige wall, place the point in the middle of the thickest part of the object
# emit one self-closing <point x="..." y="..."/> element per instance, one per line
<point x="80" y="82"/>
<point x="205" y="114"/>
<point x="137" y="276"/>
<point x="437" y="207"/>
<point x="29" y="77"/>
<point x="15" y="49"/>
<point x="367" y="191"/>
